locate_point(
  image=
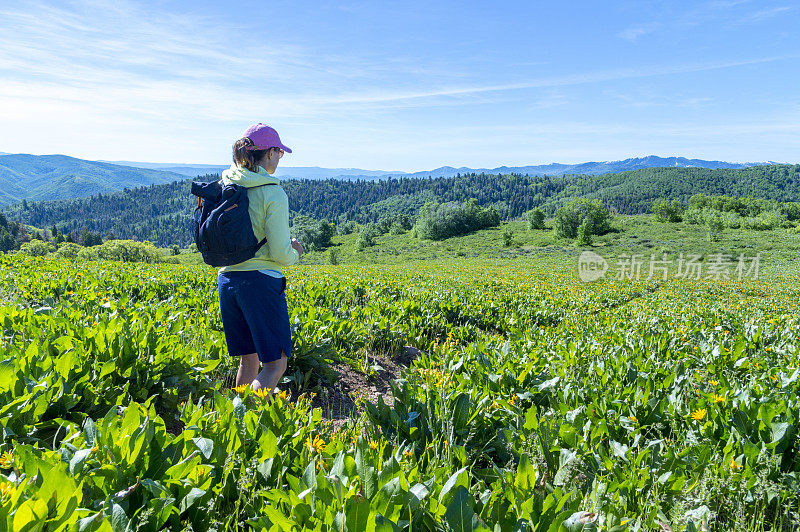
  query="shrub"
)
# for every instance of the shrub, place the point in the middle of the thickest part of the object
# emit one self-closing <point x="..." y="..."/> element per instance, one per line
<point x="508" y="237"/>
<point x="314" y="234"/>
<point x="584" y="236"/>
<point x="37" y="248"/>
<point x="333" y="256"/>
<point x="732" y="220"/>
<point x="346" y="228"/>
<point x="366" y="236"/>
<point x="570" y="217"/>
<point x="715" y="224"/>
<point x="67" y="250"/>
<point x="791" y="211"/>
<point x="694" y="216"/>
<point x="123" y="251"/>
<point x="440" y="221"/>
<point x="535" y="219"/>
<point x="667" y="211"/>
<point x="765" y="221"/>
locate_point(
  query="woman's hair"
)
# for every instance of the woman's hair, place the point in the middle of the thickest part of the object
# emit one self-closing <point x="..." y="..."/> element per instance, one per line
<point x="247" y="158"/>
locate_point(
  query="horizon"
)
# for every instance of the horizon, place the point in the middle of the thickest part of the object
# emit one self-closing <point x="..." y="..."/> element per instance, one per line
<point x="458" y="86"/>
<point x="164" y="165"/>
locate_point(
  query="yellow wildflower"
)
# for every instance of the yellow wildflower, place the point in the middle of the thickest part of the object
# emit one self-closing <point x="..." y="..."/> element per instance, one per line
<point x="373" y="445"/>
<point x="261" y="393"/>
<point x="513" y="399"/>
<point x="713" y="383"/>
<point x="718" y="398"/>
<point x="284" y="395"/>
<point x="241" y="388"/>
<point x="633" y="418"/>
<point x="315" y="443"/>
<point x="7" y="489"/>
<point x="699" y="414"/>
<point x="6" y="460"/>
<point x="734" y="465"/>
<point x="495" y="406"/>
<point x="408" y="454"/>
<point x="95" y="448"/>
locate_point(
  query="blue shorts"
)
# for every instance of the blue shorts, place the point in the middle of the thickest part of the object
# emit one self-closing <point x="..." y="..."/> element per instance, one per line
<point x="254" y="314"/>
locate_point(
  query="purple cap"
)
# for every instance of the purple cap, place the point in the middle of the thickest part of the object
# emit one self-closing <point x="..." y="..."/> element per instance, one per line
<point x="264" y="138"/>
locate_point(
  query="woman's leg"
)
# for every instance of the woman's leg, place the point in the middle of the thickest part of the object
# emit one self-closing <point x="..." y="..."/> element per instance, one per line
<point x="248" y="369"/>
<point x="271" y="373"/>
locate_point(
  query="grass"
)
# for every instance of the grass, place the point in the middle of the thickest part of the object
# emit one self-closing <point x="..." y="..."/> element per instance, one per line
<point x="639" y="234"/>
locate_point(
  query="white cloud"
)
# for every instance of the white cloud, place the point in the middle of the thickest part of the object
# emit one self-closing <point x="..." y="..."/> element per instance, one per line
<point x="634" y="32"/>
<point x="110" y="80"/>
<point x="764" y="14"/>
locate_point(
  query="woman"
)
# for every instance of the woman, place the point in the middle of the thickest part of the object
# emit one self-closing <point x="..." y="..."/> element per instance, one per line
<point x="252" y="294"/>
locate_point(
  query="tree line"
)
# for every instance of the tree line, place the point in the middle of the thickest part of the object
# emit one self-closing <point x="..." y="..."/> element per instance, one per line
<point x="161" y="213"/>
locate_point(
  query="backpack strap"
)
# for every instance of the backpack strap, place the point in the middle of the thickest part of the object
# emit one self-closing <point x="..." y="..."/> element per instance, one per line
<point x="264" y="240"/>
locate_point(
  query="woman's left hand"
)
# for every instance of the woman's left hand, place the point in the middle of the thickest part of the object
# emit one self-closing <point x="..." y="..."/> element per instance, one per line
<point x="298" y="246"/>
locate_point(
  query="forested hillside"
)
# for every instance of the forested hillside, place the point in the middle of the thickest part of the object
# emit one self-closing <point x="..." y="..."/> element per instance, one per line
<point x="633" y="192"/>
<point x="160" y="213"/>
<point x="51" y="177"/>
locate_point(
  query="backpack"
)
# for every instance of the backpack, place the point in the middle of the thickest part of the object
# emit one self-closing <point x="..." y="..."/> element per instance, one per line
<point x="221" y="224"/>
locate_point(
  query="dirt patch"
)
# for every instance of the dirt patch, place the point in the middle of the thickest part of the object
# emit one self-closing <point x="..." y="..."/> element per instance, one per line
<point x="342" y="399"/>
<point x="171" y="418"/>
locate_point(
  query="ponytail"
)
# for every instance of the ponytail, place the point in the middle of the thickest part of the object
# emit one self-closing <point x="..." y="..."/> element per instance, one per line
<point x="245" y="156"/>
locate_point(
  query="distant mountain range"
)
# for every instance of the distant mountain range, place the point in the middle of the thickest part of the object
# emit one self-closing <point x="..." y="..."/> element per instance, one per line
<point x="49" y="177"/>
<point x="589" y="168"/>
<point x="284" y="172"/>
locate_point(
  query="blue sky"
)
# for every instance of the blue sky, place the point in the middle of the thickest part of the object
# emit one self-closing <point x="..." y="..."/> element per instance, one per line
<point x="402" y="85"/>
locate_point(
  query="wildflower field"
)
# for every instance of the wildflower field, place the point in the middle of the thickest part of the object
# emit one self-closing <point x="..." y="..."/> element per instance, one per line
<point x="538" y="402"/>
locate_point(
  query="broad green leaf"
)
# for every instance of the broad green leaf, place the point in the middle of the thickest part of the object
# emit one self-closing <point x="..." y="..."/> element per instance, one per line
<point x="205" y="445"/>
<point x="76" y="463"/>
<point x="30" y="516"/>
<point x="459" y="478"/>
<point x="525" y="478"/>
<point x="119" y="521"/>
<point x="460" y="512"/>
<point x="190" y="498"/>
<point x="357" y="513"/>
<point x="277" y="518"/>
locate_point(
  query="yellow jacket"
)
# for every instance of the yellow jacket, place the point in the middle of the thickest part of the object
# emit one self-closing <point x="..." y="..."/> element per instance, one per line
<point x="269" y="214"/>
